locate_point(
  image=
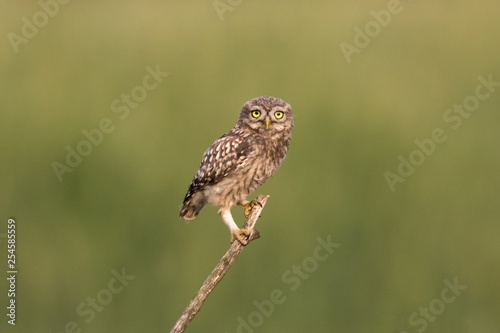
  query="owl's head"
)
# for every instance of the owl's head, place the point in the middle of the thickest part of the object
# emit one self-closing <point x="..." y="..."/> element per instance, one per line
<point x="267" y="115"/>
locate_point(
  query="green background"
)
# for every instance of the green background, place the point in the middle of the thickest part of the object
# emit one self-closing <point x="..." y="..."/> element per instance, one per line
<point x="119" y="207"/>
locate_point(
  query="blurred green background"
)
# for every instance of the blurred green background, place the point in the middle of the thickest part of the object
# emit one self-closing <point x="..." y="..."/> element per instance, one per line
<point x="118" y="209"/>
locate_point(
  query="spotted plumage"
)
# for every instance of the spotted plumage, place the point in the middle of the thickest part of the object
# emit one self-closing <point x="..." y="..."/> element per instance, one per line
<point x="241" y="160"/>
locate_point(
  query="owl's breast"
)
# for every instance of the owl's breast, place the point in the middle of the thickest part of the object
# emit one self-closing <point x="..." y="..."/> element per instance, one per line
<point x="262" y="161"/>
<point x="263" y="164"/>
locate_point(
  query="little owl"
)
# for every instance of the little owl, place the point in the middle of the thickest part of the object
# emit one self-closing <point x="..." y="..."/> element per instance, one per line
<point x="240" y="161"/>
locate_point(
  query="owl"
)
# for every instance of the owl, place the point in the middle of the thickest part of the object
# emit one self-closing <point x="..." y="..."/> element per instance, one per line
<point x="240" y="161"/>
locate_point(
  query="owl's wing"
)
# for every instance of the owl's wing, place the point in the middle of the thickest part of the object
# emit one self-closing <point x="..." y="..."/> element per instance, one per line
<point x="224" y="156"/>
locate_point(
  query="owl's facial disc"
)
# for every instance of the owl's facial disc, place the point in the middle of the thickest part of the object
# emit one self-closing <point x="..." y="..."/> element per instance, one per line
<point x="266" y="119"/>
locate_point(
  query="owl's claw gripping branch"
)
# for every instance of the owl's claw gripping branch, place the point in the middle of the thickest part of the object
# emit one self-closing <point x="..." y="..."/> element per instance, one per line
<point x="241" y="235"/>
<point x="248" y="205"/>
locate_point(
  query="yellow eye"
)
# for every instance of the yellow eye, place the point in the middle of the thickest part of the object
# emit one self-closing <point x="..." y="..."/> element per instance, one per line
<point x="279" y="114"/>
<point x="256" y="113"/>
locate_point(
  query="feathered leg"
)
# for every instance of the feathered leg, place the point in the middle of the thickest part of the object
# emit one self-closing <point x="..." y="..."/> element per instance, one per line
<point x="236" y="233"/>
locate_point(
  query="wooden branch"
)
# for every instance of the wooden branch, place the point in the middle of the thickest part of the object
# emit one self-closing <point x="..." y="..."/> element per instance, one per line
<point x="220" y="270"/>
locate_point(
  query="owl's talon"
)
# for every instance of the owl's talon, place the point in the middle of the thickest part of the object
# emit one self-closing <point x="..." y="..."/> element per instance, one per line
<point x="249" y="205"/>
<point x="241" y="235"/>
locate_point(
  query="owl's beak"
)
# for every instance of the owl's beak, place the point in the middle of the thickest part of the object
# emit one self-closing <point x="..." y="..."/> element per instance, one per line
<point x="267" y="121"/>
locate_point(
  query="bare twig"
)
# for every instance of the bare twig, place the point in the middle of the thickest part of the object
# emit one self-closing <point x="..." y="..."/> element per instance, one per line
<point x="220" y="270"/>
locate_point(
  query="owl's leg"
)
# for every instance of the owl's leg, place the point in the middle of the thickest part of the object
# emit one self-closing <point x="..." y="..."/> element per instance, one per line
<point x="248" y="206"/>
<point x="236" y="233"/>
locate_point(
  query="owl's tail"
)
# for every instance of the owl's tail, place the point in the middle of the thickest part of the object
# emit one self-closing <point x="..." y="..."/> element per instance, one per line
<point x="191" y="207"/>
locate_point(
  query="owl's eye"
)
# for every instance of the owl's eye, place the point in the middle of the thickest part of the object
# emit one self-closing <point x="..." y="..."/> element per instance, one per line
<point x="256" y="113"/>
<point x="279" y="114"/>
